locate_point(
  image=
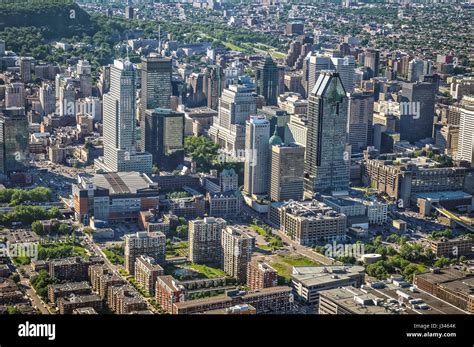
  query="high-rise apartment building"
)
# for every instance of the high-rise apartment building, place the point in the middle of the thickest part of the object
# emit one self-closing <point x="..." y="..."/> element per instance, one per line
<point x="256" y="170"/>
<point x="205" y="240"/>
<point x="144" y="243"/>
<point x="261" y="275"/>
<point x="327" y="159"/>
<point x="237" y="249"/>
<point x="163" y="137"/>
<point x="120" y="153"/>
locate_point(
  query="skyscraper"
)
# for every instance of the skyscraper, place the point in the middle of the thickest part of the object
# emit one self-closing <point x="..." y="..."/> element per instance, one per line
<point x="47" y="99"/>
<point x="214" y="85"/>
<point x="119" y="124"/>
<point x="236" y="105"/>
<point x="286" y="171"/>
<point x="13" y="139"/>
<point x="156" y="83"/>
<point x="237" y="249"/>
<point x="327" y="160"/>
<point x="205" y="240"/>
<point x="344" y="66"/>
<point x="372" y="62"/>
<point x="417" y="111"/>
<point x="466" y="130"/>
<point x="83" y="71"/>
<point x="361" y="109"/>
<point x="267" y="80"/>
<point x="25" y="68"/>
<point x="256" y="170"/>
<point x="67" y="98"/>
<point x="15" y="95"/>
<point x="163" y="137"/>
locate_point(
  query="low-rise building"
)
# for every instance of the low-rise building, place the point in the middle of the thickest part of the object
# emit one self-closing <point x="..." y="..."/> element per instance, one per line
<point x="168" y="292"/>
<point x="56" y="291"/>
<point x="73" y="268"/>
<point x="68" y="304"/>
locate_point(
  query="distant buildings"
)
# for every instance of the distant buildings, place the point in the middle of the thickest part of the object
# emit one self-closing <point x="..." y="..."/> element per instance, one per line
<point x="237" y="249"/>
<point x="205" y="240"/>
<point x="144" y="244"/>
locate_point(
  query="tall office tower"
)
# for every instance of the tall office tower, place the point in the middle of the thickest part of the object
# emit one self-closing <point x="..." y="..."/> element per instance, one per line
<point x="361" y="115"/>
<point x="119" y="124"/>
<point x="47" y="99"/>
<point x="205" y="240"/>
<point x="416" y="70"/>
<point x="25" y="68"/>
<point x="67" y="98"/>
<point x="84" y="72"/>
<point x="237" y="249"/>
<point x="151" y="244"/>
<point x="163" y="137"/>
<point x="104" y="80"/>
<point x="156" y="83"/>
<point x="417" y="111"/>
<point x="257" y="135"/>
<point x="2" y="48"/>
<point x="197" y="96"/>
<point x="372" y="61"/>
<point x="129" y="12"/>
<point x="267" y="80"/>
<point x="327" y="160"/>
<point x="466" y="130"/>
<point x="321" y="62"/>
<point x="286" y="171"/>
<point x="13" y="139"/>
<point x="15" y="95"/>
<point x="214" y="85"/>
<point x="236" y="105"/>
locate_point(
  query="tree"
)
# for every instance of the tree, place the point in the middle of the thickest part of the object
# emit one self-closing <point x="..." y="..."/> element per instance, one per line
<point x="37" y="227"/>
<point x="202" y="151"/>
<point x="441" y="262"/>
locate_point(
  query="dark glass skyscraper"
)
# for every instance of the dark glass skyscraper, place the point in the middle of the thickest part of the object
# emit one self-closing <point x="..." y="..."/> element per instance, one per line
<point x="268" y="80"/>
<point x="13" y="139"/>
<point x="327" y="161"/>
<point x="163" y="137"/>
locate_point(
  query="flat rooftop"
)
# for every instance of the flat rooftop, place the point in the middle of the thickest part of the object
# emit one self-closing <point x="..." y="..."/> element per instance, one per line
<point x="449" y="195"/>
<point x="123" y="182"/>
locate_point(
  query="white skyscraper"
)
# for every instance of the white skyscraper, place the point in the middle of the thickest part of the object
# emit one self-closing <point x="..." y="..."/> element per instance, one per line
<point x="83" y="70"/>
<point x="466" y="130"/>
<point x="47" y="99"/>
<point x="119" y="107"/>
<point x="344" y="66"/>
<point x="257" y="135"/>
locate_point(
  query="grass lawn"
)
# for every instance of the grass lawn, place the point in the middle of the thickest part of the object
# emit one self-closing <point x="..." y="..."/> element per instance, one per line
<point x="284" y="265"/>
<point x="206" y="271"/>
<point x="258" y="230"/>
